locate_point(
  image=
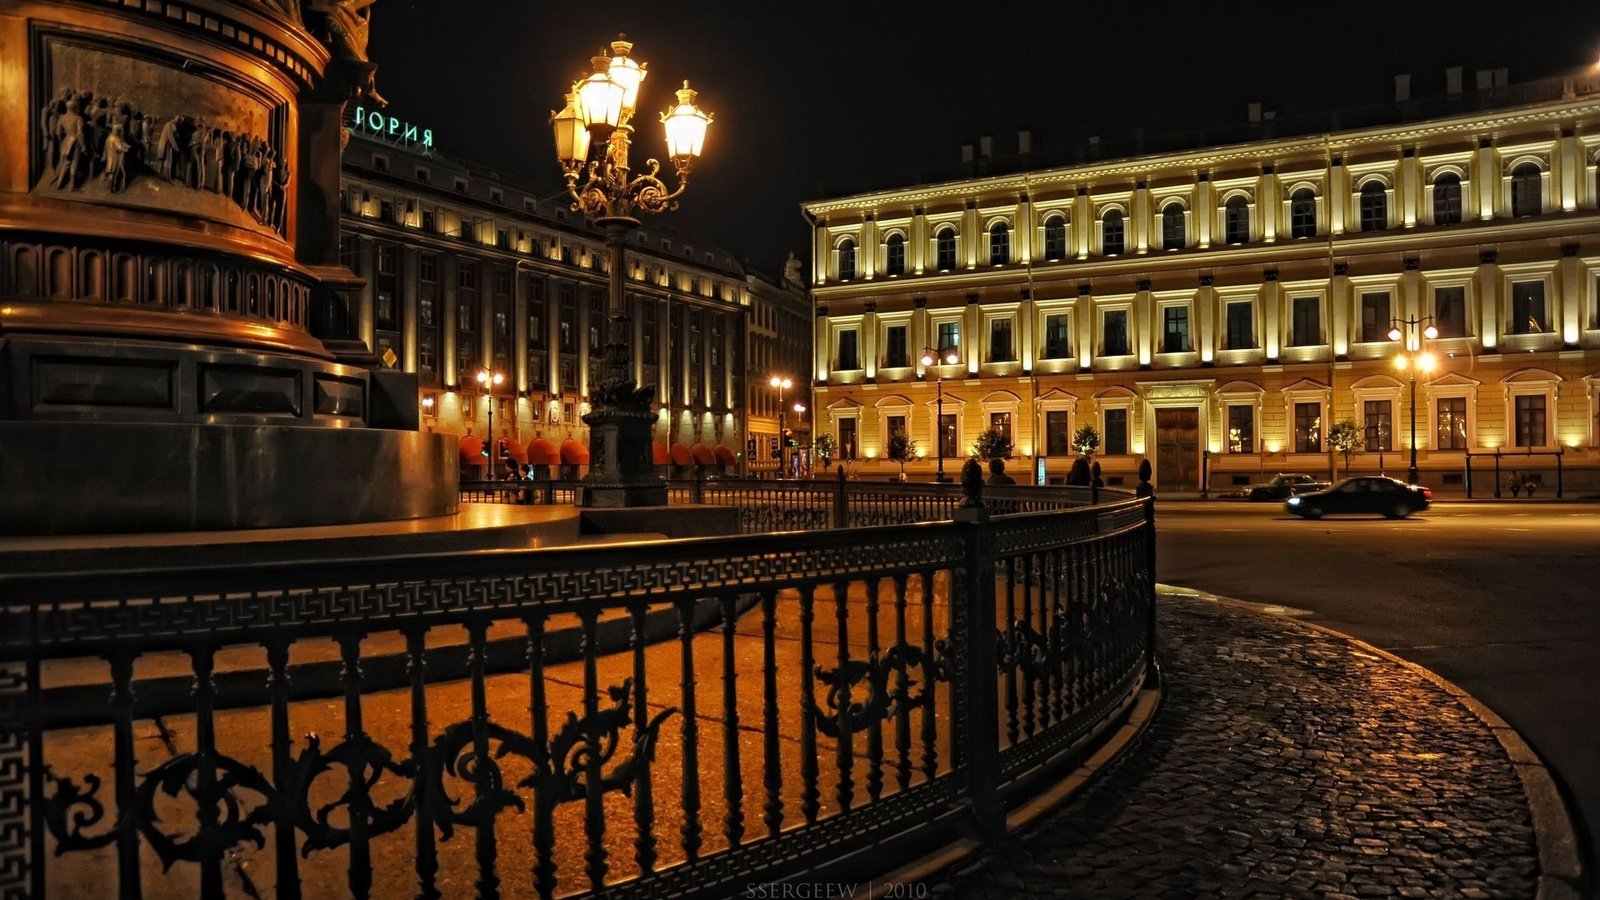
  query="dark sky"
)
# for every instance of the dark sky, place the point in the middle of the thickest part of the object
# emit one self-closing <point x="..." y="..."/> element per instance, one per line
<point x="817" y="94"/>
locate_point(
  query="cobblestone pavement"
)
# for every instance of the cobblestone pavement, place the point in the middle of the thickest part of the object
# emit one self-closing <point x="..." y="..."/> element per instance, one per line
<point x="1284" y="762"/>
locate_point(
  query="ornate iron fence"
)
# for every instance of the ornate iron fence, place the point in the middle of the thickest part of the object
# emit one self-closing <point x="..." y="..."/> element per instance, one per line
<point x="774" y="505"/>
<point x="891" y="686"/>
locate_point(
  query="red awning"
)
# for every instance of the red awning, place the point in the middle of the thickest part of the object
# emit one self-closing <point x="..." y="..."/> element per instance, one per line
<point x="472" y="451"/>
<point x="724" y="455"/>
<point x="574" y="453"/>
<point x="543" y="453"/>
<point x="681" y="456"/>
<point x="514" y="449"/>
<point x="659" y="455"/>
<point x="703" y="455"/>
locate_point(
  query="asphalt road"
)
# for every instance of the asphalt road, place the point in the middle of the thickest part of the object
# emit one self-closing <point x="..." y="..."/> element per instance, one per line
<point x="1501" y="598"/>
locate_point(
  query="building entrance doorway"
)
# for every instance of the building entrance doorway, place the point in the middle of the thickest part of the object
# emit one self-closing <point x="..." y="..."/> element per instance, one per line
<point x="1178" y="449"/>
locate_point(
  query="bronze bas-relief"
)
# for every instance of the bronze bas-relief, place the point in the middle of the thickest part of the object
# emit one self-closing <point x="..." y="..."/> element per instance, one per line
<point x="136" y="132"/>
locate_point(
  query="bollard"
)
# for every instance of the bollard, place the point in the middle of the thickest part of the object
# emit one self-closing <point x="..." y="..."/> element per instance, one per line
<point x="1145" y="488"/>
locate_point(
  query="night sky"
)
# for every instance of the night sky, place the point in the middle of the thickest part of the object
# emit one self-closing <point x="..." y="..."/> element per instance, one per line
<point x="810" y="98"/>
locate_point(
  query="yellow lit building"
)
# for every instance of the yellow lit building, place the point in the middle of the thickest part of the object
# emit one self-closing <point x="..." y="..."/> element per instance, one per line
<point x="1220" y="308"/>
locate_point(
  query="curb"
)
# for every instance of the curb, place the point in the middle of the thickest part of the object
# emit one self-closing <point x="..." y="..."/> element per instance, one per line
<point x="1560" y="864"/>
<point x="1145" y="705"/>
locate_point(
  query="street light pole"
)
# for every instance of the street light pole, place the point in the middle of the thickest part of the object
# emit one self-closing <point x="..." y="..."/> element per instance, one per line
<point x="930" y="359"/>
<point x="598" y="116"/>
<point x="488" y="380"/>
<point x="1414" y="330"/>
<point x="782" y="383"/>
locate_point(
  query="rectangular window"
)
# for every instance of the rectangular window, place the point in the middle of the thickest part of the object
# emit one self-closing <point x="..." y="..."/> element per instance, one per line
<point x="597" y="325"/>
<point x="1056" y="342"/>
<point x="1531" y="421"/>
<point x="1450" y="311"/>
<point x="428" y="267"/>
<point x="1175" y="329"/>
<point x="1001" y="421"/>
<point x="895" y="354"/>
<point x="1114" y="337"/>
<point x="1000" y="341"/>
<point x="1527" y="308"/>
<point x="848" y="357"/>
<point x="1308" y="428"/>
<point x="466" y="314"/>
<point x="1375" y="317"/>
<point x="1451" y="413"/>
<point x="647" y="322"/>
<point x="894" y="425"/>
<point x="947" y="435"/>
<point x="1241" y="325"/>
<point x="1057" y="440"/>
<point x="1241" y="429"/>
<point x="536" y="319"/>
<point x="1116" y="435"/>
<point x="1307" y="322"/>
<point x="567" y="321"/>
<point x="1378" y="425"/>
<point x="847" y="438"/>
<point x="949" y="336"/>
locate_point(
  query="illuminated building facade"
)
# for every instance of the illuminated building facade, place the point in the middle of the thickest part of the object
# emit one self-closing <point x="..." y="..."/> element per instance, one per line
<point x="1222" y="307"/>
<point x="466" y="269"/>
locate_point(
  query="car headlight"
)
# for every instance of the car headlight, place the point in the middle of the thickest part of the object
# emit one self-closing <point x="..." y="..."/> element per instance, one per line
<point x="1293" y="500"/>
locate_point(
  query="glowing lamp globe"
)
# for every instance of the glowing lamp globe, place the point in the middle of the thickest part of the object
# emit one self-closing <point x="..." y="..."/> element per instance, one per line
<point x="572" y="136"/>
<point x="927" y="359"/>
<point x="686" y="125"/>
<point x="1394" y="334"/>
<point x="624" y="70"/>
<point x="600" y="101"/>
<point x="1430" y="332"/>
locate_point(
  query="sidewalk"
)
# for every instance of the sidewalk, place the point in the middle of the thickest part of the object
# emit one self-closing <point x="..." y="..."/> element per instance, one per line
<point x="1286" y="761"/>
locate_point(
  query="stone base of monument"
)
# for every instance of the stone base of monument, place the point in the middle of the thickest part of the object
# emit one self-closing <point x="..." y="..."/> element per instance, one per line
<point x="688" y="520"/>
<point x="119" y="477"/>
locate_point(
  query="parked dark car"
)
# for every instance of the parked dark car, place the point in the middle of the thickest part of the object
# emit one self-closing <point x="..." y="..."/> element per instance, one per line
<point x="1366" y="494"/>
<point x="1284" y="485"/>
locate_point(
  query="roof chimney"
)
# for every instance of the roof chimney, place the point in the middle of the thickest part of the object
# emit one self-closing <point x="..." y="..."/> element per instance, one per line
<point x="986" y="146"/>
<point x="1255" y="114"/>
<point x="1402" y="88"/>
<point x="1024" y="142"/>
<point x="1452" y="80"/>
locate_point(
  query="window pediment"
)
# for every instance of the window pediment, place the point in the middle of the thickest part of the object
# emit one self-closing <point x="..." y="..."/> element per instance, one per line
<point x="1525" y="376"/>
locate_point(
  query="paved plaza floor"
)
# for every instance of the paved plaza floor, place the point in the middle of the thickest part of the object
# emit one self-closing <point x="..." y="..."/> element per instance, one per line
<point x="1284" y="762"/>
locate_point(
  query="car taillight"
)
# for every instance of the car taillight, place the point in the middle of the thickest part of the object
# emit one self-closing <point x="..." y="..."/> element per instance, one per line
<point x="1427" y="493"/>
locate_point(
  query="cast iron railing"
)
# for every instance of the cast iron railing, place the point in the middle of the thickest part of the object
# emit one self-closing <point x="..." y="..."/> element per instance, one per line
<point x="889" y="687"/>
<point x="775" y="505"/>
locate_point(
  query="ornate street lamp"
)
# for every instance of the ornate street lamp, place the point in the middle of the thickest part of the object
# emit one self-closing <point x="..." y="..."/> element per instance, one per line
<point x="946" y="357"/>
<point x="1414" y="359"/>
<point x="487" y="381"/>
<point x="593" y="133"/>
<point x="781" y="384"/>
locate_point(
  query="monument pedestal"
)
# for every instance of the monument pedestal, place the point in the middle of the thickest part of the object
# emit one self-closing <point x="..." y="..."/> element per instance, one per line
<point x="621" y="471"/>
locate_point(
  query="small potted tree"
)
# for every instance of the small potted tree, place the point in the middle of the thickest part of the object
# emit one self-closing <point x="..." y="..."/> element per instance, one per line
<point x="824" y="448"/>
<point x="1085" y="441"/>
<point x="992" y="443"/>
<point x="900" y="448"/>
<point x="1345" y="437"/>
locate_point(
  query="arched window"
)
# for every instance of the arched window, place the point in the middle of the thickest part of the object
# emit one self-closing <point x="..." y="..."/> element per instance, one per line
<point x="896" y="252"/>
<point x="1303" y="214"/>
<point x="944" y="249"/>
<point x="1236" y="221"/>
<point x="1526" y="188"/>
<point x="1111" y="233"/>
<point x="1447" y="199"/>
<point x="1173" y="232"/>
<point x="1055" y="238"/>
<point x="1374" y="206"/>
<point x="999" y="244"/>
<point x="847" y="259"/>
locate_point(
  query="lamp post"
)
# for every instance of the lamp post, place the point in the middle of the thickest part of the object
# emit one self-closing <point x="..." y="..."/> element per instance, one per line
<point x="1412" y="359"/>
<point x="799" y="413"/>
<point x="781" y="383"/>
<point x="932" y="359"/>
<point x="598" y="117"/>
<point x="487" y="381"/>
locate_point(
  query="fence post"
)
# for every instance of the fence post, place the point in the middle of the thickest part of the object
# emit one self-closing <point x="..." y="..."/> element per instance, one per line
<point x="982" y="736"/>
<point x="1559" y="473"/>
<point x="1497" y="473"/>
<point x="698" y="493"/>
<point x="1147" y="492"/>
<point x="549" y="492"/>
<point x="841" y="508"/>
<point x="1469" y="476"/>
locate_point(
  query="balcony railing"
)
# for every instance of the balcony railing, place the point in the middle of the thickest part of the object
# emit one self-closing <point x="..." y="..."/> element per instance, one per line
<point x="862" y="695"/>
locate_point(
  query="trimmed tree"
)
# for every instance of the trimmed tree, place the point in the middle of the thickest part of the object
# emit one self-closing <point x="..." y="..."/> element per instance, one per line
<point x="992" y="443"/>
<point x="1345" y="437"/>
<point x="900" y="448"/>
<point x="825" y="447"/>
<point x="1086" y="441"/>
